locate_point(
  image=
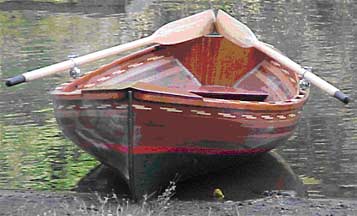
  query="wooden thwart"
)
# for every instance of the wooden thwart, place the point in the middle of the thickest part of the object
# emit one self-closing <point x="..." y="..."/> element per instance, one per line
<point x="230" y="93"/>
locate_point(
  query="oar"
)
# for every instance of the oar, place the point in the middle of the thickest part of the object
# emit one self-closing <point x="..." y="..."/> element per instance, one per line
<point x="172" y="33"/>
<point x="240" y="34"/>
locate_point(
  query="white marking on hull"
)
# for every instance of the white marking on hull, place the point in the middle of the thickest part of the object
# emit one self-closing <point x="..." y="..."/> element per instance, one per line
<point x="70" y="107"/>
<point x="250" y="117"/>
<point x="121" y="106"/>
<point x="292" y="115"/>
<point x="201" y="112"/>
<point x="170" y="109"/>
<point x="154" y="58"/>
<point x="118" y="72"/>
<point x="281" y="117"/>
<point x="104" y="106"/>
<point x="227" y="115"/>
<point x="103" y="79"/>
<point x="135" y="65"/>
<point x="85" y="107"/>
<point x="267" y="117"/>
<point x="141" y="107"/>
<point x="89" y="85"/>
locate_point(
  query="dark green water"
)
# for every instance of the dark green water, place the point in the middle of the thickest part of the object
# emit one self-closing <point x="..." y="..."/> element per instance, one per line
<point x="320" y="34"/>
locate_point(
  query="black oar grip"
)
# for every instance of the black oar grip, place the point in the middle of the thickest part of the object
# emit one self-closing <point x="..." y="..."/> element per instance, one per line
<point x="342" y="97"/>
<point x="15" y="80"/>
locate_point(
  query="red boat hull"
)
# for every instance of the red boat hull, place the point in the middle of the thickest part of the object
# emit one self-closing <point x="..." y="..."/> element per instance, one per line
<point x="151" y="143"/>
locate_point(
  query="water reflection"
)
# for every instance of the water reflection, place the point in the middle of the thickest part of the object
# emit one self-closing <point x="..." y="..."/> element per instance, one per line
<point x="242" y="181"/>
<point x="79" y="6"/>
<point x="38" y="157"/>
<point x="320" y="34"/>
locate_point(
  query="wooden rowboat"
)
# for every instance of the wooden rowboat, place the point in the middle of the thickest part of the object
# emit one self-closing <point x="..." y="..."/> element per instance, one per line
<point x="180" y="110"/>
<point x="190" y="104"/>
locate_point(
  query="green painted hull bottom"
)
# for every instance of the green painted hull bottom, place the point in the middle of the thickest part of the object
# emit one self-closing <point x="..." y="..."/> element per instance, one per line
<point x="154" y="172"/>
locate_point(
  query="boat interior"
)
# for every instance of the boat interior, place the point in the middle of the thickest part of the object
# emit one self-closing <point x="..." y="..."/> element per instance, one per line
<point x="209" y="67"/>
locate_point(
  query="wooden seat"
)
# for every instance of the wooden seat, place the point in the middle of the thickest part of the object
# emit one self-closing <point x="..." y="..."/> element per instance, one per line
<point x="229" y="93"/>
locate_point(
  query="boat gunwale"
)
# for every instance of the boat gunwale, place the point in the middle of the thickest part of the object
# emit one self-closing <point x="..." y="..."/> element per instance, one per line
<point x="196" y="100"/>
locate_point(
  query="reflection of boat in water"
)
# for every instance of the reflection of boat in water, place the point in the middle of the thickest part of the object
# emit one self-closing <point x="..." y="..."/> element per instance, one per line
<point x="246" y="180"/>
<point x="241" y="181"/>
<point x="186" y="109"/>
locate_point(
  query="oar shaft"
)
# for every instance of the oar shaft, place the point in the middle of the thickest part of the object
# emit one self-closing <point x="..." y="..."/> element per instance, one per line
<point x="312" y="78"/>
<point x="62" y="66"/>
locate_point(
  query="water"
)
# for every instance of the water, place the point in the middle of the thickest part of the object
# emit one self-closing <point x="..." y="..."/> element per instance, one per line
<point x="320" y="34"/>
